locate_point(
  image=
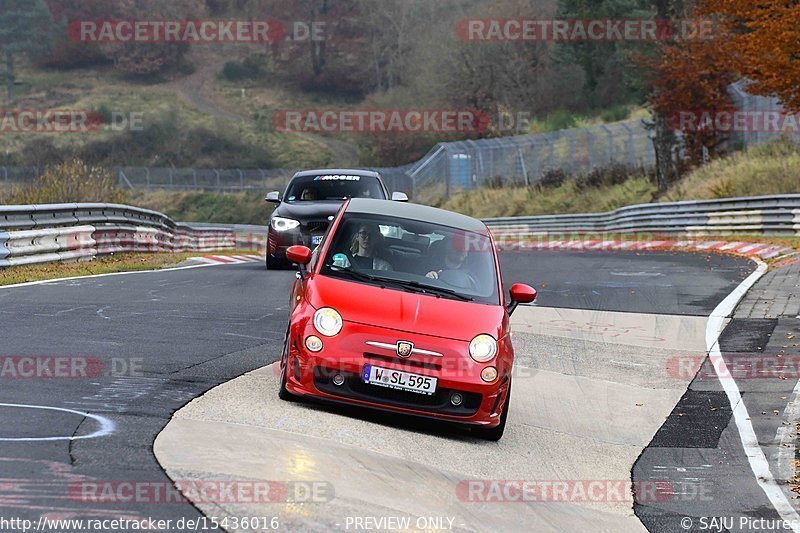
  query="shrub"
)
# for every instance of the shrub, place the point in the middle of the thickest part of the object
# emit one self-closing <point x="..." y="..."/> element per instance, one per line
<point x="73" y="181"/>
<point x="615" y="114"/>
<point x="553" y="178"/>
<point x="251" y="68"/>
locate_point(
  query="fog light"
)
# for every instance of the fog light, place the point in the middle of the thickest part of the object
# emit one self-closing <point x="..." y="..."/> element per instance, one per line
<point x="313" y="343"/>
<point x="338" y="380"/>
<point x="489" y="374"/>
<point x="456" y="399"/>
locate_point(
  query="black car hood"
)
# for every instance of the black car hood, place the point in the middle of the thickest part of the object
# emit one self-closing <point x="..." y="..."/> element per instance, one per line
<point x="308" y="210"/>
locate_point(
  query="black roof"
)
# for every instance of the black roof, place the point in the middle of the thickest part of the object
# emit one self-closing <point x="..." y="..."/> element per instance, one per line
<point x="416" y="212"/>
<point x="337" y="171"/>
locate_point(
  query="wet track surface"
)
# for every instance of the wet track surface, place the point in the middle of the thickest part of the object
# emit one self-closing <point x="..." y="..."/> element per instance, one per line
<point x="171" y="336"/>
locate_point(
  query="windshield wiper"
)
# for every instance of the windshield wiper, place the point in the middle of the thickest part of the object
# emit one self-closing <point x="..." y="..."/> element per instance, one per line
<point x="413" y="286"/>
<point x="425" y="289"/>
<point x="352" y="273"/>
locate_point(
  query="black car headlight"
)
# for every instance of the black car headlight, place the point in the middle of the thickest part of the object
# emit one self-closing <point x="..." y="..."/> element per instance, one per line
<point x="283" y="224"/>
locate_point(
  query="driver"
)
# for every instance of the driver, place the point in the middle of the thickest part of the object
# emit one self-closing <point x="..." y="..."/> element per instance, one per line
<point x="309" y="195"/>
<point x="455" y="257"/>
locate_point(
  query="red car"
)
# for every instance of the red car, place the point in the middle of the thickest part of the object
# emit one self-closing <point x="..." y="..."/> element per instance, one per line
<point x="402" y="308"/>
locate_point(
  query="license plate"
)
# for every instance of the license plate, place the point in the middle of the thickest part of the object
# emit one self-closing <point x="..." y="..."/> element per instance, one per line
<point x="397" y="379"/>
<point x="316" y="239"/>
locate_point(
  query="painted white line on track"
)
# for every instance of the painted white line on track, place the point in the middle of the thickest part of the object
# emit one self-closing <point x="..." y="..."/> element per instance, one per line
<point x="786" y="434"/>
<point x="106" y="426"/>
<point x="755" y="455"/>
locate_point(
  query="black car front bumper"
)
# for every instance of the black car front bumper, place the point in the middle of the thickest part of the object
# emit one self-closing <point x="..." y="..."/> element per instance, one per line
<point x="307" y="234"/>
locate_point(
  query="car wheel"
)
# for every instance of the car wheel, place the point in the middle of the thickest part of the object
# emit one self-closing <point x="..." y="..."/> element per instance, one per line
<point x="272" y="263"/>
<point x="283" y="392"/>
<point x="496" y="433"/>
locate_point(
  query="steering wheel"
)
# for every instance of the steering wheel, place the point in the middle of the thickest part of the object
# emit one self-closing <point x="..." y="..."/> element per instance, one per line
<point x="460" y="279"/>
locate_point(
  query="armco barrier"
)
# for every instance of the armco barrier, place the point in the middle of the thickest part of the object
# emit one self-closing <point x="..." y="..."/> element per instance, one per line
<point x="762" y="215"/>
<point x="60" y="232"/>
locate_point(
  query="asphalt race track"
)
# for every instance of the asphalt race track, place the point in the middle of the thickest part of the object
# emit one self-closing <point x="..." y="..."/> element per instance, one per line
<point x="597" y="348"/>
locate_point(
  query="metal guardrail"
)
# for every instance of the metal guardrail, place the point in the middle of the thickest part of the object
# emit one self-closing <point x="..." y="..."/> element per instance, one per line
<point x="765" y="215"/>
<point x="60" y="232"/>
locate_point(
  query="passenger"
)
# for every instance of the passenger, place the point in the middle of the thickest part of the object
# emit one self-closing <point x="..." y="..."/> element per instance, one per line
<point x="453" y="257"/>
<point x="365" y="248"/>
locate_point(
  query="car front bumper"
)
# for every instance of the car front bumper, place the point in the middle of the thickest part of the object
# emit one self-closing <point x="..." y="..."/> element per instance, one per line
<point x="311" y="374"/>
<point x="279" y="241"/>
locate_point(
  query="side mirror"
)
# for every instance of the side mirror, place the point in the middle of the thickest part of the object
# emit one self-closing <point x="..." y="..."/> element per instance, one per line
<point x="274" y="197"/>
<point x="299" y="254"/>
<point x="521" y="294"/>
<point x="399" y="197"/>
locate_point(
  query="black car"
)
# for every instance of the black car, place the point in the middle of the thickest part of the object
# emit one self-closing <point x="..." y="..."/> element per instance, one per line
<point x="311" y="201"/>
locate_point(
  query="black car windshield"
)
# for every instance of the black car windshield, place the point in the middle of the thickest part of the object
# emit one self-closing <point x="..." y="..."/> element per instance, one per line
<point x="413" y="256"/>
<point x="333" y="187"/>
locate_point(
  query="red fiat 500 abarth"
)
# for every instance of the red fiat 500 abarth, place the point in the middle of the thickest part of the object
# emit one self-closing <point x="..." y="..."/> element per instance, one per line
<point x="402" y="308"/>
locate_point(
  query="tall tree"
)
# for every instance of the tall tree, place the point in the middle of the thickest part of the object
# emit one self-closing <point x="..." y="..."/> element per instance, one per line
<point x="26" y="28"/>
<point x="602" y="62"/>
<point x="765" y="45"/>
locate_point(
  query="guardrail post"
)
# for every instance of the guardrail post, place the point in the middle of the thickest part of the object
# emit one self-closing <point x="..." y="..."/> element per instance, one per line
<point x="610" y="135"/>
<point x="630" y="145"/>
<point x="571" y="140"/>
<point x="522" y="165"/>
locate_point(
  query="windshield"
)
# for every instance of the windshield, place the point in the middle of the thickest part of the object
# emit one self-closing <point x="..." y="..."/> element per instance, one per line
<point x="414" y="256"/>
<point x="333" y="187"/>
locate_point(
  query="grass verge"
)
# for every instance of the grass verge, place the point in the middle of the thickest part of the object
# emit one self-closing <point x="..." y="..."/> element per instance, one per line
<point x="208" y="207"/>
<point x="111" y="264"/>
<point x="566" y="198"/>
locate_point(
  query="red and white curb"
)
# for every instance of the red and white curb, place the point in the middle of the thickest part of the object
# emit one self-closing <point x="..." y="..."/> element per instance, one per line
<point x="229" y="259"/>
<point x="783" y="254"/>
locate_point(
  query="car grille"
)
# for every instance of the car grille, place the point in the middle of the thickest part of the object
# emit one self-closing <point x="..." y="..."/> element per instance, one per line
<point x="317" y="227"/>
<point x="356" y="389"/>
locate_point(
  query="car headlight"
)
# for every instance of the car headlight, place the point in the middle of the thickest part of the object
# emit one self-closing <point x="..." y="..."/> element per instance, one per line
<point x="328" y="321"/>
<point x="283" y="224"/>
<point x="483" y="348"/>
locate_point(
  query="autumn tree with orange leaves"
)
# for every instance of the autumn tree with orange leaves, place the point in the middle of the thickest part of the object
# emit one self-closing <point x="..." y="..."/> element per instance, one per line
<point x="690" y="76"/>
<point x="688" y="72"/>
<point x="764" y="44"/>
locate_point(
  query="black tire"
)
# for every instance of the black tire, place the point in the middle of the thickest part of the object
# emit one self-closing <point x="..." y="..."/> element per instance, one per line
<point x="496" y="433"/>
<point x="283" y="392"/>
<point x="272" y="263"/>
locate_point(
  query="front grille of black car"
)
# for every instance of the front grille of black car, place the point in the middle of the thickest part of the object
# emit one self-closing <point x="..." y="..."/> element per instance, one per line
<point x="317" y="227"/>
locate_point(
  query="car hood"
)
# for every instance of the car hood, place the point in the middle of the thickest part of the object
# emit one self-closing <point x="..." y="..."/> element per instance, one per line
<point x="405" y="311"/>
<point x="308" y="210"/>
